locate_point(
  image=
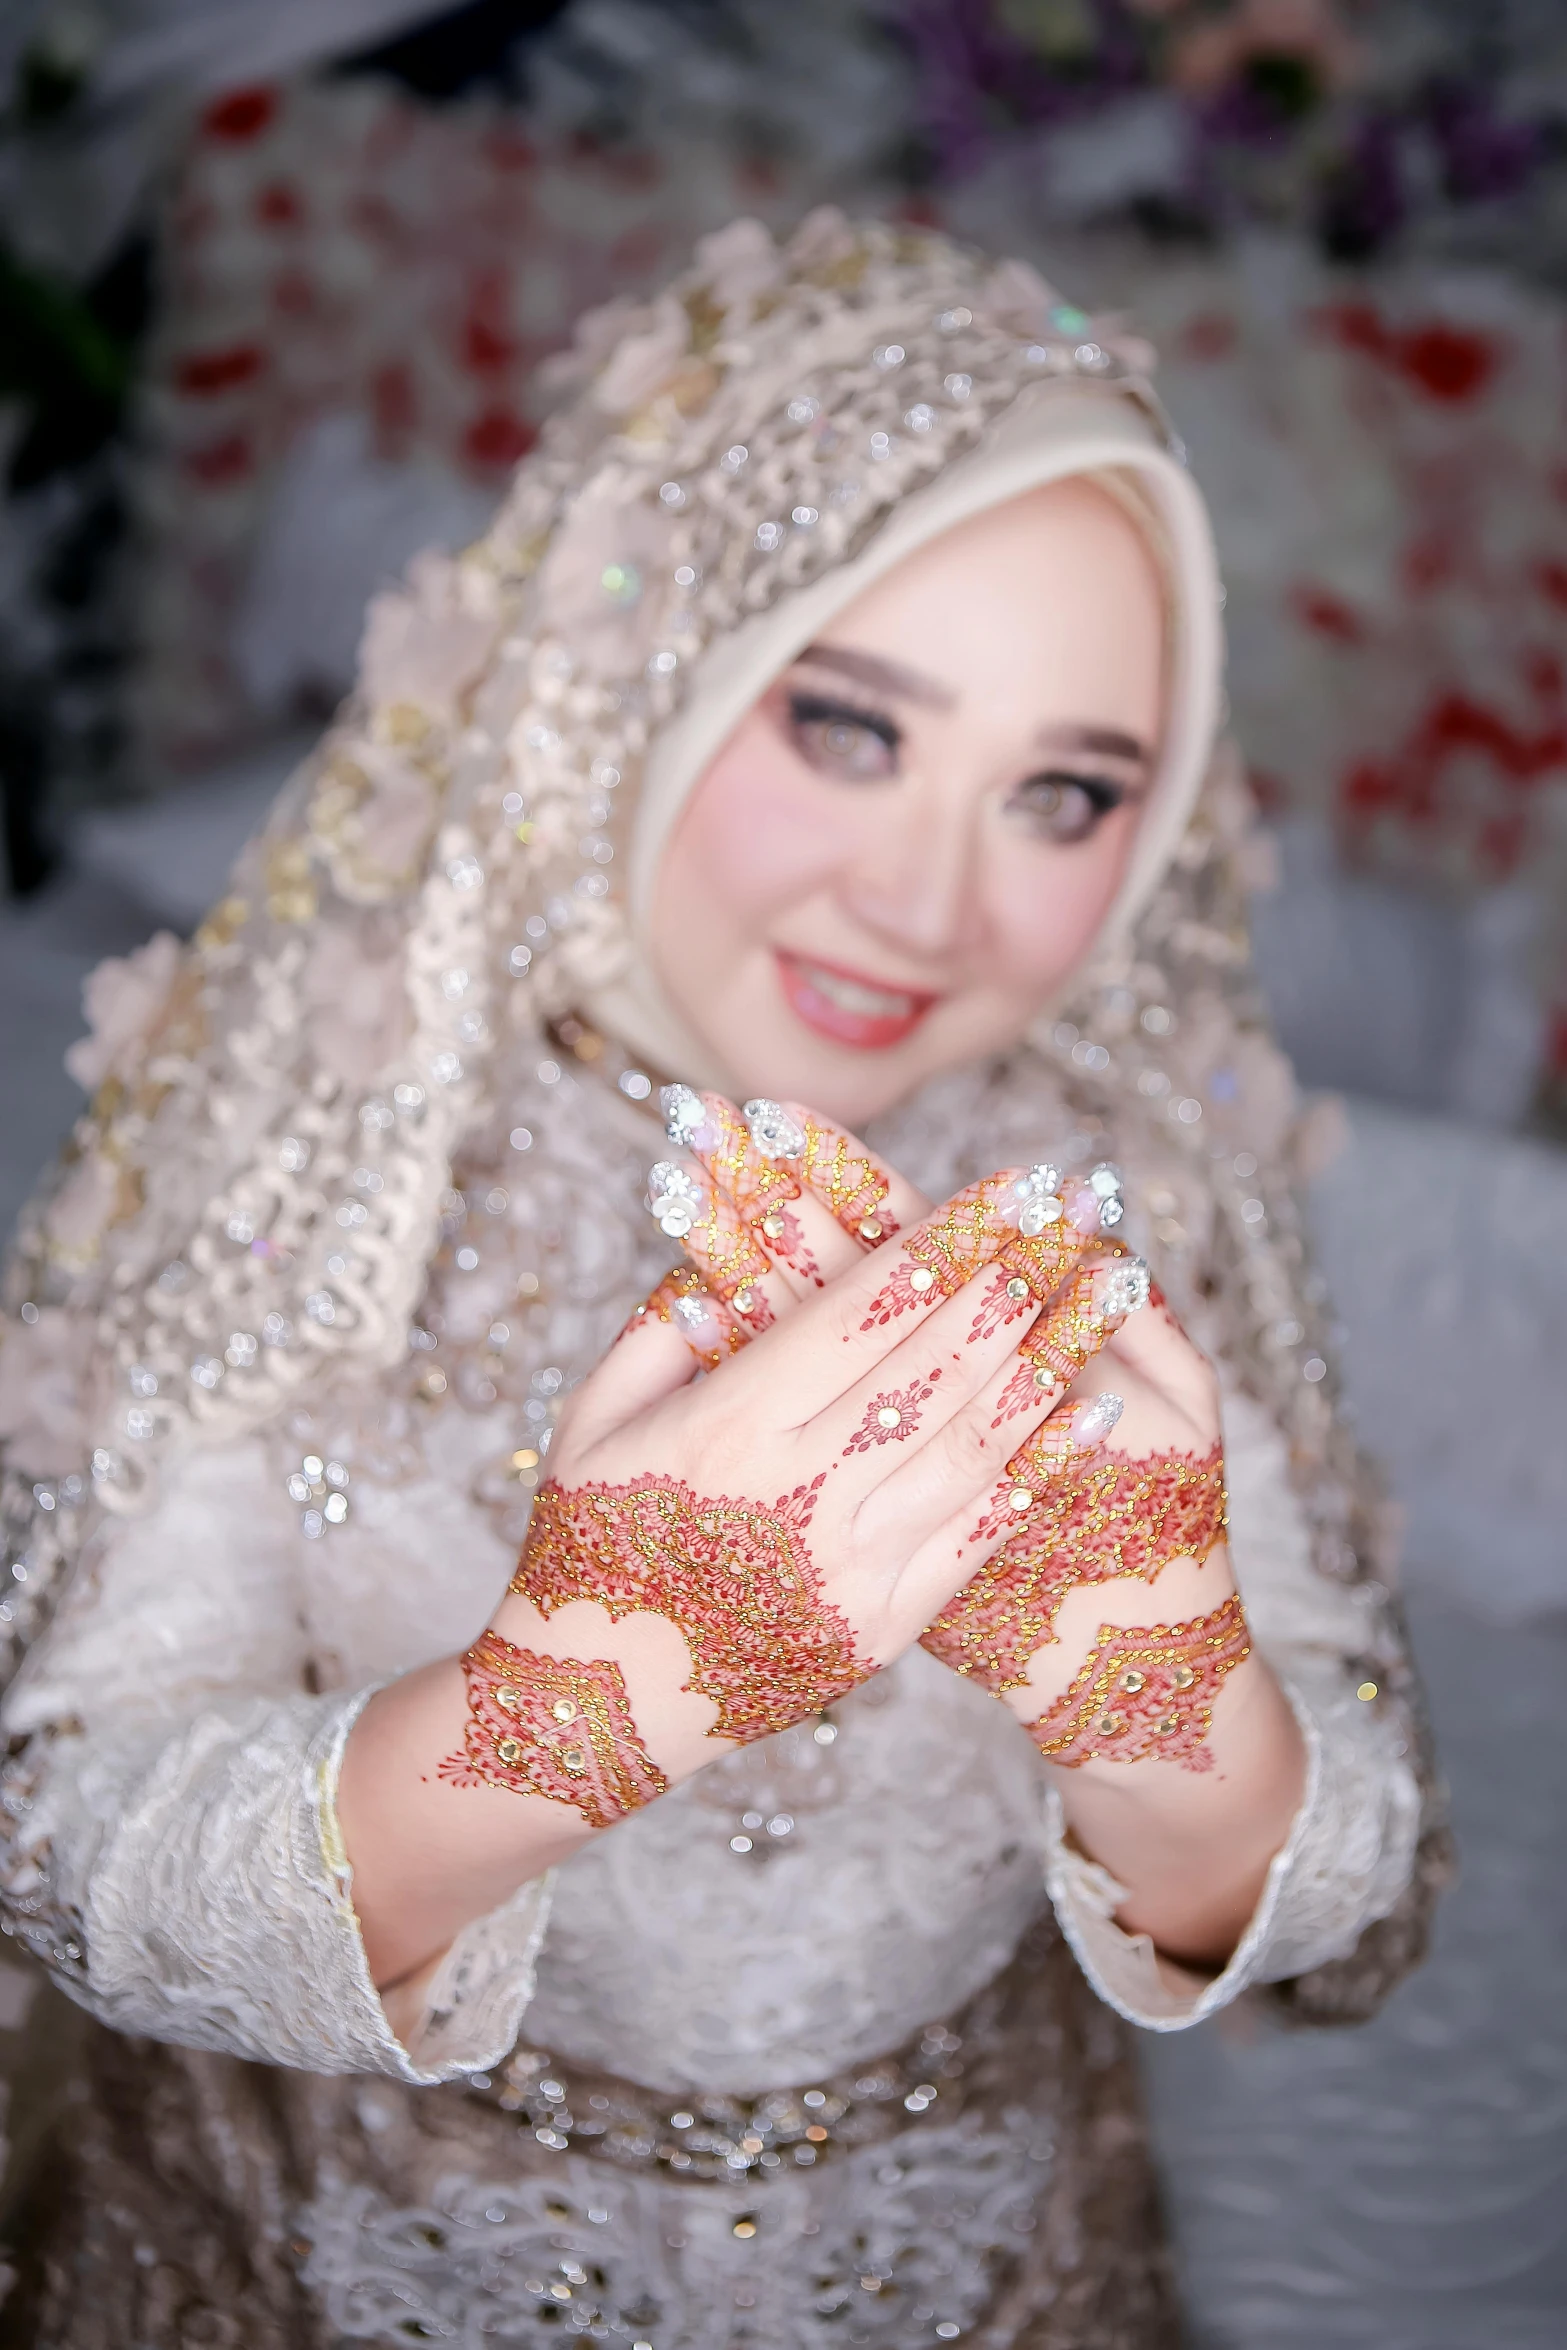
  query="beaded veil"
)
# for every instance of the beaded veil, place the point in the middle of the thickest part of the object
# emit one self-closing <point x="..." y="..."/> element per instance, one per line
<point x="296" y="1118"/>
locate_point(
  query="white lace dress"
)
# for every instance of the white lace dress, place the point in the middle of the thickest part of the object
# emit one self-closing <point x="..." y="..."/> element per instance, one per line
<point x="797" y="2053"/>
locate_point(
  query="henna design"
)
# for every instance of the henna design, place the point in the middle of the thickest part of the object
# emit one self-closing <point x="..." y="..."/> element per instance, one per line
<point x="942" y="1254"/>
<point x="734" y="1576"/>
<point x="1146" y="1693"/>
<point x="892" y="1417"/>
<point x="1096" y="1517"/>
<point x="750" y="1192"/>
<point x="705" y="1322"/>
<point x="559" y="1727"/>
<point x="850" y="1185"/>
<point x="1007" y="1296"/>
<point x="1094" y="1304"/>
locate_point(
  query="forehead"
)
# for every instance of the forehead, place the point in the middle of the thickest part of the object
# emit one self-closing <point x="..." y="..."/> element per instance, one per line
<point x="1055" y="594"/>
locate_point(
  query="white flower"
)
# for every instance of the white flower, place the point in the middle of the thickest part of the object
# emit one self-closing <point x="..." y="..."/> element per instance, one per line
<point x="123" y="999"/>
<point x="643" y="363"/>
<point x="823" y="238"/>
<point x="43" y="1367"/>
<point x="358" y="1003"/>
<point x="82" y="1207"/>
<point x="1017" y="297"/>
<point x="596" y="336"/>
<point x="605" y="582"/>
<point x="425" y="642"/>
<point x="739" y="262"/>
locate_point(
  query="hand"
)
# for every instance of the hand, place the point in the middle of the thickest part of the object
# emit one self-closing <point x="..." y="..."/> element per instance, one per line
<point x="782" y="1604"/>
<point x="1122" y="1482"/>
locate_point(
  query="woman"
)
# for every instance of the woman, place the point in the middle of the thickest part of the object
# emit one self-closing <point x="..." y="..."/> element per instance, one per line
<point x="822" y="722"/>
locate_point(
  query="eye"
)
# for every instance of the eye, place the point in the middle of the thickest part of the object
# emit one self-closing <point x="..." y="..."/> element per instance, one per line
<point x="1067" y="808"/>
<point x="855" y="746"/>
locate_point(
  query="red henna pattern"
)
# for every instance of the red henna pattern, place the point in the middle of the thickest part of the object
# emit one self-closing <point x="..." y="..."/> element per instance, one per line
<point x="1098" y="1517"/>
<point x="950" y="1248"/>
<point x="999" y="1305"/>
<point x="559" y="1727"/>
<point x="1146" y="1693"/>
<point x="892" y="1417"/>
<point x="736" y="1578"/>
<point x="1067" y="1338"/>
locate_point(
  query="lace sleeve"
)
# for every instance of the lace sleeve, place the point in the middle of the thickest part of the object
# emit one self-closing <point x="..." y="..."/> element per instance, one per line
<point x="1352" y="1884"/>
<point x="169" y="1840"/>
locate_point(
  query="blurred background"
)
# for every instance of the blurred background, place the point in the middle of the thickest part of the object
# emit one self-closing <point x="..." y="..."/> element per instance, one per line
<point x="274" y="276"/>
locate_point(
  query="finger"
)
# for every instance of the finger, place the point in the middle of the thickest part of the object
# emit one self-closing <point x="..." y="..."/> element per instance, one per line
<point x="732" y="1264"/>
<point x="867" y="1199"/>
<point x="1005" y="1609"/>
<point x="654" y="1355"/>
<point x="757" y="1237"/>
<point x="1156" y="1346"/>
<point x="958" y="1467"/>
<point x="709" y="1327"/>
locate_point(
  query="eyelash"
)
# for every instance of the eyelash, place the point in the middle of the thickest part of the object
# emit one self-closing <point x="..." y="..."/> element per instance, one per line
<point x="808" y="710"/>
<point x="824" y="710"/>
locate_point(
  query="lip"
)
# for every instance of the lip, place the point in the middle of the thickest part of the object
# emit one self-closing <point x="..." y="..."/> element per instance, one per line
<point x="824" y="995"/>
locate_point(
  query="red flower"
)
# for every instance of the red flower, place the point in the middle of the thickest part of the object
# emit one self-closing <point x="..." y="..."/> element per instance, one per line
<point x="243" y="114"/>
<point x="278" y="205"/>
<point x="204" y="373"/>
<point x="221" y="461"/>
<point x="1446" y="362"/>
<point x="496" y="437"/>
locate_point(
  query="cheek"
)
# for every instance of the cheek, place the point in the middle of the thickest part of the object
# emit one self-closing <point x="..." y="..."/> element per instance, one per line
<point x="1049" y="906"/>
<point x="751" y="840"/>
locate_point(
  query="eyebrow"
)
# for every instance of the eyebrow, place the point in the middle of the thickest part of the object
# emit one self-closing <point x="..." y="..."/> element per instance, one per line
<point x="882" y="676"/>
<point x="1109" y="741"/>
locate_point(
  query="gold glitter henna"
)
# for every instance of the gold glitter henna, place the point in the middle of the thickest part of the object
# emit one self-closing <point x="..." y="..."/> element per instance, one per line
<point x="1146" y="1693"/>
<point x="702" y="1218"/>
<point x="892" y="1417"/>
<point x="559" y="1727"/>
<point x="759" y="1190"/>
<point x="1095" y="1302"/>
<point x="941" y="1255"/>
<point x="706" y="1324"/>
<point x="1091" y="1517"/>
<point x="850" y="1185"/>
<point x="735" y="1577"/>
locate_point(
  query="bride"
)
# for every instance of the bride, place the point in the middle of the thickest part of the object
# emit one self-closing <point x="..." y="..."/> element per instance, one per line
<point x="647" y="1829"/>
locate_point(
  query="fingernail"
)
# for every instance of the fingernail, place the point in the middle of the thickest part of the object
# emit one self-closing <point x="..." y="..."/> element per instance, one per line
<point x="1038" y="1194"/>
<point x="685" y="1114"/>
<point x="774" y="1132"/>
<point x="674" y="1197"/>
<point x="1126" y="1288"/>
<point x="1094" y="1420"/>
<point x="1105" y="1183"/>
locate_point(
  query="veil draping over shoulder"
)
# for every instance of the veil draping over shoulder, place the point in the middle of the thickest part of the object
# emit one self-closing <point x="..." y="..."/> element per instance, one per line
<point x="265" y="1192"/>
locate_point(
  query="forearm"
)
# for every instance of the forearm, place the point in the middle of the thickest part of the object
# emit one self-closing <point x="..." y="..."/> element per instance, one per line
<point x="432" y="1852"/>
<point x="1190" y="1835"/>
<point x="1193" y="1851"/>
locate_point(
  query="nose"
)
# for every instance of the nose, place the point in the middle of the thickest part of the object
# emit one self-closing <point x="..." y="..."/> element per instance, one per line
<point x="913" y="877"/>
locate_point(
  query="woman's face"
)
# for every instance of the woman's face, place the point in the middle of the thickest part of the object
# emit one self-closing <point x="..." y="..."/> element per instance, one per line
<point x="912" y="840"/>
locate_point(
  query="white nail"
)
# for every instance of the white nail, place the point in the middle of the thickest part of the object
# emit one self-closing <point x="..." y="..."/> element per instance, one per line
<point x="775" y="1134"/>
<point x="683" y="1110"/>
<point x="1126" y="1289"/>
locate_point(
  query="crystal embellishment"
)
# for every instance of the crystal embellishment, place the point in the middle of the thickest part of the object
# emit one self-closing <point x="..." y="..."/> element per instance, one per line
<point x="774" y="1132"/>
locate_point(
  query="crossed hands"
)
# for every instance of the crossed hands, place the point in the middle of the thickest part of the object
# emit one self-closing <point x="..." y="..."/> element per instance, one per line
<point x="976" y="1427"/>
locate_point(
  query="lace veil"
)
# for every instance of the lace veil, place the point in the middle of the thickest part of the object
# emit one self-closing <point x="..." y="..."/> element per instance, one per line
<point x="253" y="1208"/>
